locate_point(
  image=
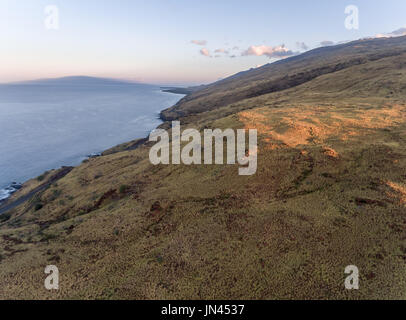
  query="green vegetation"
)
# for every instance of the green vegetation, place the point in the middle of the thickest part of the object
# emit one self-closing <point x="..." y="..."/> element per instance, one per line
<point x="5" y="217"/>
<point x="123" y="188"/>
<point x="55" y="194"/>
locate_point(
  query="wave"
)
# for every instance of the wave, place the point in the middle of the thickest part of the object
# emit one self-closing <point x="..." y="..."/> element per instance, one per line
<point x="6" y="192"/>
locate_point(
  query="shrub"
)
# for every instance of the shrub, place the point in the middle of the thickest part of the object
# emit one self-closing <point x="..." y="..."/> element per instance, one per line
<point x="38" y="206"/>
<point x="123" y="188"/>
<point x="47" y="237"/>
<point x="55" y="194"/>
<point x="5" y="217"/>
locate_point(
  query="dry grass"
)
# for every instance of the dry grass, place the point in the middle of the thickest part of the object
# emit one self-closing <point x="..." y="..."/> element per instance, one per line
<point x="329" y="192"/>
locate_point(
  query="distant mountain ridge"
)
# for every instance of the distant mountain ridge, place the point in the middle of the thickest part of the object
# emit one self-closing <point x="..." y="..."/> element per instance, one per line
<point x="285" y="74"/>
<point x="77" y="80"/>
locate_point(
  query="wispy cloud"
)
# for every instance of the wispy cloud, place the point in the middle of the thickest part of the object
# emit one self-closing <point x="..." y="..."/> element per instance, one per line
<point x="199" y="42"/>
<point x="205" y="52"/>
<point x="271" y="52"/>
<point x="221" y="50"/>
<point x="397" y="33"/>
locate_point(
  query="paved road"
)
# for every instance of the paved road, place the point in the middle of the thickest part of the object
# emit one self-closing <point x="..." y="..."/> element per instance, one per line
<point x="60" y="174"/>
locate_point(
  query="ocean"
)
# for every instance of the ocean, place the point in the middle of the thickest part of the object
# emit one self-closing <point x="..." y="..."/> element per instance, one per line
<point x="46" y="126"/>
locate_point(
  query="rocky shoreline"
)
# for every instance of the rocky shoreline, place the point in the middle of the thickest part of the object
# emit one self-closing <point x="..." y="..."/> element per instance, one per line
<point x="6" y="192"/>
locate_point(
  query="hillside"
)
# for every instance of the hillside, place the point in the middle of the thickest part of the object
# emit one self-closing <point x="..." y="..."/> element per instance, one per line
<point x="286" y="74"/>
<point x="329" y="192"/>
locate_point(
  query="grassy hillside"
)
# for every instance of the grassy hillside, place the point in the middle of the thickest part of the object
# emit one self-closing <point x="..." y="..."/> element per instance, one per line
<point x="329" y="192"/>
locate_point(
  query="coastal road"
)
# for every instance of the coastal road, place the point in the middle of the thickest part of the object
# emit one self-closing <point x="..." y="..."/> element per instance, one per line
<point x="60" y="174"/>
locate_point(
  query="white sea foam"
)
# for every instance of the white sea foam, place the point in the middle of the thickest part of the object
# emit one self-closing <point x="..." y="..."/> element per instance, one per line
<point x="8" y="191"/>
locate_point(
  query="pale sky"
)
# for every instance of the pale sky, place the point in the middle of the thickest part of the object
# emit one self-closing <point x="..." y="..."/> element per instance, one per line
<point x="174" y="41"/>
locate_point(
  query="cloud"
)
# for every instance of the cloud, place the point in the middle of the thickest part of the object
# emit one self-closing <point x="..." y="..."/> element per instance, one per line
<point x="205" y="52"/>
<point x="271" y="52"/>
<point x="302" y="45"/>
<point x="400" y="32"/>
<point x="326" y="43"/>
<point x="397" y="33"/>
<point x="199" y="42"/>
<point x="221" y="51"/>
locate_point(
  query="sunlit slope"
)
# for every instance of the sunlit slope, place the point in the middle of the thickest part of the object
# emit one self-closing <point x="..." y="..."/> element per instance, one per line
<point x="329" y="192"/>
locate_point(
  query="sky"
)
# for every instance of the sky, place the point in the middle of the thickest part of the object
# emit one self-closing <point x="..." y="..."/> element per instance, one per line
<point x="174" y="42"/>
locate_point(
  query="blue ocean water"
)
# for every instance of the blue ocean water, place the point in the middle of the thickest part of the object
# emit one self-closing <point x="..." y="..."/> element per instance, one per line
<point x="46" y="126"/>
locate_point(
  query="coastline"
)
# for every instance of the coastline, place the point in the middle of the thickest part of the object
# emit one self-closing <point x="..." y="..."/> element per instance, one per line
<point x="177" y="90"/>
<point x="8" y="191"/>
